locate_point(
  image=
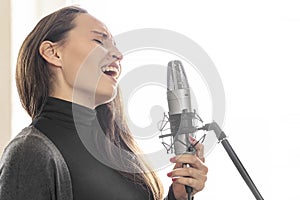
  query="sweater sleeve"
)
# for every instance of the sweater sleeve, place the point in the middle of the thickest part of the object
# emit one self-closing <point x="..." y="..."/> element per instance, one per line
<point x="29" y="171"/>
<point x="171" y="194"/>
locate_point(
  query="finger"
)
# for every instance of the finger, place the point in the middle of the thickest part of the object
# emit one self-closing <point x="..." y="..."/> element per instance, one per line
<point x="178" y="165"/>
<point x="196" y="184"/>
<point x="192" y="160"/>
<point x="187" y="172"/>
<point x="199" y="148"/>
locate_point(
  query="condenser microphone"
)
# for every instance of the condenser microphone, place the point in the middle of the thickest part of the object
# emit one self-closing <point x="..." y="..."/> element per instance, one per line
<point x="180" y="109"/>
<point x="181" y="119"/>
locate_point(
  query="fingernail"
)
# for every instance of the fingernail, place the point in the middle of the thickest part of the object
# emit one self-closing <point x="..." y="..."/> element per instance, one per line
<point x="192" y="139"/>
<point x="173" y="159"/>
<point x="169" y="174"/>
<point x="174" y="179"/>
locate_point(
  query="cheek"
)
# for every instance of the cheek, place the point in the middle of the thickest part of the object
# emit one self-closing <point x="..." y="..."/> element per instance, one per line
<point x="71" y="64"/>
<point x="77" y="66"/>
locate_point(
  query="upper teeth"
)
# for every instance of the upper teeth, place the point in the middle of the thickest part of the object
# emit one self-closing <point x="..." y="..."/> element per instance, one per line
<point x="109" y="68"/>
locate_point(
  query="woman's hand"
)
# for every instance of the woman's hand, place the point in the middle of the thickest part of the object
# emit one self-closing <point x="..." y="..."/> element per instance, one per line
<point x="194" y="176"/>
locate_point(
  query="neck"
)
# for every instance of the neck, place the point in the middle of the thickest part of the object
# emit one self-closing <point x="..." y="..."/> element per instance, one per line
<point x="79" y="98"/>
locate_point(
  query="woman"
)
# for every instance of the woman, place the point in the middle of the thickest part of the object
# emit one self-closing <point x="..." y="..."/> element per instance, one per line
<point x="66" y="76"/>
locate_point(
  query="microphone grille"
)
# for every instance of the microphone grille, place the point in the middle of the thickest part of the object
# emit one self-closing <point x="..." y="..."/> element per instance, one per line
<point x="176" y="77"/>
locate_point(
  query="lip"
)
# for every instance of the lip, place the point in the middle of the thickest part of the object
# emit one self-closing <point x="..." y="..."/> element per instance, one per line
<point x="115" y="65"/>
<point x="111" y="78"/>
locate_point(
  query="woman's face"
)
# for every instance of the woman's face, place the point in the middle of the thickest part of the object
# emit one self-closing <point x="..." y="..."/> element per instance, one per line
<point x="89" y="63"/>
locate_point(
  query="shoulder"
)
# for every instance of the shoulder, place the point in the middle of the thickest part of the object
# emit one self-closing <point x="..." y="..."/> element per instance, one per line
<point x="32" y="166"/>
<point x="29" y="145"/>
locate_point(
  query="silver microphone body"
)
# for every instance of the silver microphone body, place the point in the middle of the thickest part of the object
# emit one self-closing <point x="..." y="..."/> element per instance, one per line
<point x="180" y="109"/>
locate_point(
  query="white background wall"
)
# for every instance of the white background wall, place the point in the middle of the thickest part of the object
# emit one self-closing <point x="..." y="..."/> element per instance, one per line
<point x="255" y="46"/>
<point x="5" y="53"/>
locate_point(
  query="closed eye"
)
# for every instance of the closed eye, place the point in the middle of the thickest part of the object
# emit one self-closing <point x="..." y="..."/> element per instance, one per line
<point x="98" y="41"/>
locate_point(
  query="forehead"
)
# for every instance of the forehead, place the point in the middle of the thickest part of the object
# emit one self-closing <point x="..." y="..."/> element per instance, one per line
<point x="87" y="24"/>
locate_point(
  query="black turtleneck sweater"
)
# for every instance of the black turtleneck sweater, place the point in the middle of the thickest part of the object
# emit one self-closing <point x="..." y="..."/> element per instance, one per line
<point x="61" y="121"/>
<point x="57" y="158"/>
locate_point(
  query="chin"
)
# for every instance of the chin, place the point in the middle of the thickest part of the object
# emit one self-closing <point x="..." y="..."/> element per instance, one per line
<point x="105" y="98"/>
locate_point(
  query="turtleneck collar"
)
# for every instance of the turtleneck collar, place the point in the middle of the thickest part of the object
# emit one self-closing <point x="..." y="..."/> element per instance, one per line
<point x="68" y="113"/>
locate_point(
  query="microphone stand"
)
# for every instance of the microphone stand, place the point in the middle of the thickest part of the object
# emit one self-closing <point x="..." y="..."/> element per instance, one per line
<point x="238" y="164"/>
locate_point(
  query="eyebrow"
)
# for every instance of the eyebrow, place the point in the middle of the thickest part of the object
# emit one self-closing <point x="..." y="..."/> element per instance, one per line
<point x="104" y="35"/>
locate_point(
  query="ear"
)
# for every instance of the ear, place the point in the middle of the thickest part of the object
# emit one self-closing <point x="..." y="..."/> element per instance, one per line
<point x="49" y="52"/>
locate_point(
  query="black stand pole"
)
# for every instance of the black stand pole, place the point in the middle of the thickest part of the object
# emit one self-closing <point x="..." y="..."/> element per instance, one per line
<point x="238" y="164"/>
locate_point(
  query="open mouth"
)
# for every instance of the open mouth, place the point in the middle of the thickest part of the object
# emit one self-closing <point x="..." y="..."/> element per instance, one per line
<point x="111" y="70"/>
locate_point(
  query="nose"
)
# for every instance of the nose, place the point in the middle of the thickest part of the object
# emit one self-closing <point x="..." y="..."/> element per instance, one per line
<point x="116" y="54"/>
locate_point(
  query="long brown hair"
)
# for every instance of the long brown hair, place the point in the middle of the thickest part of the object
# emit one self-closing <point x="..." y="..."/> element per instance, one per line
<point x="33" y="79"/>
